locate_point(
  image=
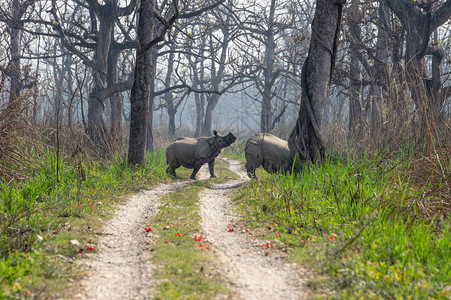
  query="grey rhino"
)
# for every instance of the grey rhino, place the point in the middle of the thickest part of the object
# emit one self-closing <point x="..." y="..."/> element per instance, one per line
<point x="269" y="151"/>
<point x="192" y="153"/>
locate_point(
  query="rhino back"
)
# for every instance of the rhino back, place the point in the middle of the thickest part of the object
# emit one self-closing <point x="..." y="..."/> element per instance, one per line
<point x="205" y="150"/>
<point x="182" y="151"/>
<point x="276" y="153"/>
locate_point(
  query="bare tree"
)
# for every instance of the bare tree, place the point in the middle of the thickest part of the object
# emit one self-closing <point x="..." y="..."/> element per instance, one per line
<point x="305" y="141"/>
<point x="420" y="20"/>
<point x="14" y="17"/>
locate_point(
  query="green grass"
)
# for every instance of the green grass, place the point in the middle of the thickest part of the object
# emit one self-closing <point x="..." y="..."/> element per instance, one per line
<point x="41" y="214"/>
<point x="358" y="225"/>
<point x="236" y="150"/>
<point x="186" y="268"/>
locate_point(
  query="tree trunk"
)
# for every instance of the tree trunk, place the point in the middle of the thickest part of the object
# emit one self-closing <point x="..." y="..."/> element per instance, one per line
<point x="115" y="102"/>
<point x="355" y="107"/>
<point x="266" y="113"/>
<point x="149" y="143"/>
<point x="14" y="69"/>
<point x="139" y="98"/>
<point x="208" y="117"/>
<point x="200" y="104"/>
<point x="217" y="76"/>
<point x="97" y="129"/>
<point x="305" y="140"/>
<point x="168" y="96"/>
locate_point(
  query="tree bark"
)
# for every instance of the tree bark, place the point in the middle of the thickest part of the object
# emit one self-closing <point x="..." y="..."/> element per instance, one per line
<point x="305" y="140"/>
<point x="355" y="92"/>
<point x="115" y="102"/>
<point x="149" y="142"/>
<point x="266" y="113"/>
<point x="15" y="34"/>
<point x="139" y="98"/>
<point x="97" y="129"/>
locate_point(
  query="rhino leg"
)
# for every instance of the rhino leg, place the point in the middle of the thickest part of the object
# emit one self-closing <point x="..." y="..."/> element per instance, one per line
<point x="171" y="172"/>
<point x="250" y="170"/>
<point x="197" y="166"/>
<point x="211" y="167"/>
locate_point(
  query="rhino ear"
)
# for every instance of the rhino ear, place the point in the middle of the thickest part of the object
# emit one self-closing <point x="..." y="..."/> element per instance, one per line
<point x="215" y="132"/>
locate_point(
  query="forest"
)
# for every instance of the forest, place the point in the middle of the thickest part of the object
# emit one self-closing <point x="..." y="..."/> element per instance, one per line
<point x="94" y="91"/>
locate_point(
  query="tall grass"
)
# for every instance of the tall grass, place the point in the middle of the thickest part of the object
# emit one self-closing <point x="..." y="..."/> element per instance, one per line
<point x="362" y="224"/>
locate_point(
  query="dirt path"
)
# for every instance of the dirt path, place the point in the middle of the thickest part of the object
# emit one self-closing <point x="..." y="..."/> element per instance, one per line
<point x="120" y="268"/>
<point x="254" y="273"/>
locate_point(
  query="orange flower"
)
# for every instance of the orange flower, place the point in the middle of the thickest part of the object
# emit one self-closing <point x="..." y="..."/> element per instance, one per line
<point x="331" y="237"/>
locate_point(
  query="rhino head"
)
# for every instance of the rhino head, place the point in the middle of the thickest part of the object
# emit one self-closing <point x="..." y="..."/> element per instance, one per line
<point x="222" y="141"/>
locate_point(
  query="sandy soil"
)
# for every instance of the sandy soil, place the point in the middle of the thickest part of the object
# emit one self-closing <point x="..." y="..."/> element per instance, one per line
<point x="119" y="268"/>
<point x="253" y="271"/>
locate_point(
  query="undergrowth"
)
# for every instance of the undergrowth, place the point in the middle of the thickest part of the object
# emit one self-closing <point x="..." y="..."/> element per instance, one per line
<point x="40" y="214"/>
<point x="372" y="227"/>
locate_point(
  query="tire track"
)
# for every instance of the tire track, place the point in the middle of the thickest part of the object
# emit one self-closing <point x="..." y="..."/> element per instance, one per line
<point x="252" y="273"/>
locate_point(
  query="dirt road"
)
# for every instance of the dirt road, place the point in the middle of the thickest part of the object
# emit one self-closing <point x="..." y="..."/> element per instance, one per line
<point x="120" y="267"/>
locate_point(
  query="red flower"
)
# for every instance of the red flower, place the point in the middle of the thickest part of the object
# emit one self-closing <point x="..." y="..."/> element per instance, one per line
<point x="89" y="242"/>
<point x="201" y="245"/>
<point x="148" y="229"/>
<point x="178" y="234"/>
<point x="80" y="251"/>
<point x="59" y="230"/>
<point x="167" y="242"/>
<point x="246" y="230"/>
<point x="89" y="247"/>
<point x="196" y="239"/>
<point x="229" y="229"/>
<point x="201" y="237"/>
<point x="331" y="237"/>
<point x="269" y="227"/>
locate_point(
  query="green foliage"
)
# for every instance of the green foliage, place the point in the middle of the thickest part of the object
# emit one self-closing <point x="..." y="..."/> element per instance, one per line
<point x="37" y="207"/>
<point x="356" y="222"/>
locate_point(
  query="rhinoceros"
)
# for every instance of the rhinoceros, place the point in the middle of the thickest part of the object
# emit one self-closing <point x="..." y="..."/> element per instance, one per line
<point x="269" y="151"/>
<point x="192" y="153"/>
